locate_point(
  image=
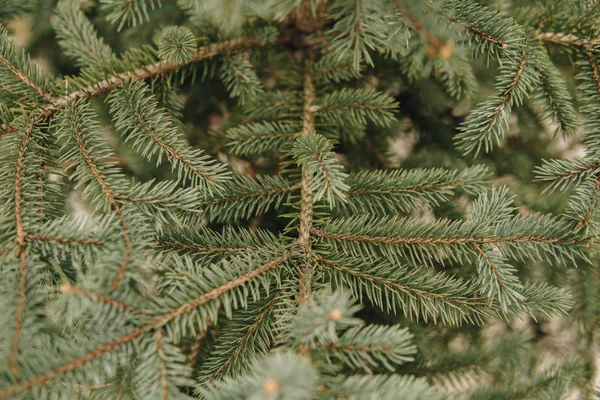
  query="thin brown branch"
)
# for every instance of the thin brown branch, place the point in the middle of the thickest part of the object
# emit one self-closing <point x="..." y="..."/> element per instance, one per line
<point x="194" y="353"/>
<point x="351" y="347"/>
<point x="174" y="154"/>
<point x="63" y="240"/>
<point x="409" y="189"/>
<point x="567" y="39"/>
<point x="151" y="70"/>
<point x="24" y="78"/>
<point x="219" y="291"/>
<point x="395" y="286"/>
<point x="67" y="288"/>
<point x="426" y="241"/>
<point x="251" y="330"/>
<point x="143" y="73"/>
<point x="231" y="199"/>
<point x="201" y="249"/>
<point x="505" y="99"/>
<point x="434" y="43"/>
<point x="21" y="242"/>
<point x="491" y="267"/>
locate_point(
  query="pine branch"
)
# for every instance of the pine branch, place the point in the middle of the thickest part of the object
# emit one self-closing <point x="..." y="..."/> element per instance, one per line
<point x="248" y="334"/>
<point x="22" y="82"/>
<point x="23" y="386"/>
<point x="423" y="295"/>
<point x="384" y="387"/>
<point x="78" y="37"/>
<point x="54" y="104"/>
<point x="567" y="39"/>
<point x="355" y="107"/>
<point x="259" y="138"/>
<point x="128" y="12"/>
<point x="77" y="120"/>
<point x="373" y="346"/>
<point x="139" y="119"/>
<point x="219" y="291"/>
<point x="383" y="191"/>
<point x="156" y="323"/>
<point x="206" y="245"/>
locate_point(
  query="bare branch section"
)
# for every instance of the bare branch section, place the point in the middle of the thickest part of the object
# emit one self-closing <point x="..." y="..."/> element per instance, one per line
<point x="306" y="193"/>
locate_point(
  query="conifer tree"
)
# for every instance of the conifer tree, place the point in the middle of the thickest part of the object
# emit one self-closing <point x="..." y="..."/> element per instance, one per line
<point x="200" y="199"/>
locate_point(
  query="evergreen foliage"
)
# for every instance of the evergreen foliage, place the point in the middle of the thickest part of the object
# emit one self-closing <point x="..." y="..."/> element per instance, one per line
<point x="212" y="209"/>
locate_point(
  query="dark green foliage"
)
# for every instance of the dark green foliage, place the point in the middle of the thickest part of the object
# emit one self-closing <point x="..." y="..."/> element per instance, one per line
<point x="252" y="199"/>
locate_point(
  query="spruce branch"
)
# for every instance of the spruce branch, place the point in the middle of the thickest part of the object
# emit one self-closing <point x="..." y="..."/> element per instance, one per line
<point x="313" y="153"/>
<point x="21" y="237"/>
<point x="249" y="334"/>
<point x="152" y="132"/>
<point x="66" y="288"/>
<point x="78" y="37"/>
<point x="76" y="120"/>
<point x="25" y="385"/>
<point x="21" y="80"/>
<point x="56" y="103"/>
<point x="156" y="323"/>
<point x="243" y="197"/>
<point x="119" y="302"/>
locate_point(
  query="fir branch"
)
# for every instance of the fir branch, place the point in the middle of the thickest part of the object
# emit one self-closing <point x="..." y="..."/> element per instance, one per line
<point x="25" y="385"/>
<point x="313" y="153"/>
<point x="78" y="37"/>
<point x="21" y="242"/>
<point x="444" y="241"/>
<point x="152" y="70"/>
<point x="484" y="24"/>
<point x="425" y="295"/>
<point x="21" y="79"/>
<point x="246" y="335"/>
<point x="356" y="107"/>
<point x="244" y="197"/>
<point x="77" y="132"/>
<point x="487" y="123"/>
<point x="156" y="323"/>
<point x="382" y="191"/>
<point x="383" y="387"/>
<point x="207" y="245"/>
<point x="164" y="384"/>
<point x="556" y="97"/>
<point x="373" y="346"/>
<point x="219" y="291"/>
<point x="145" y="72"/>
<point x="567" y="39"/>
<point x="258" y="138"/>
<point x="140" y="120"/>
